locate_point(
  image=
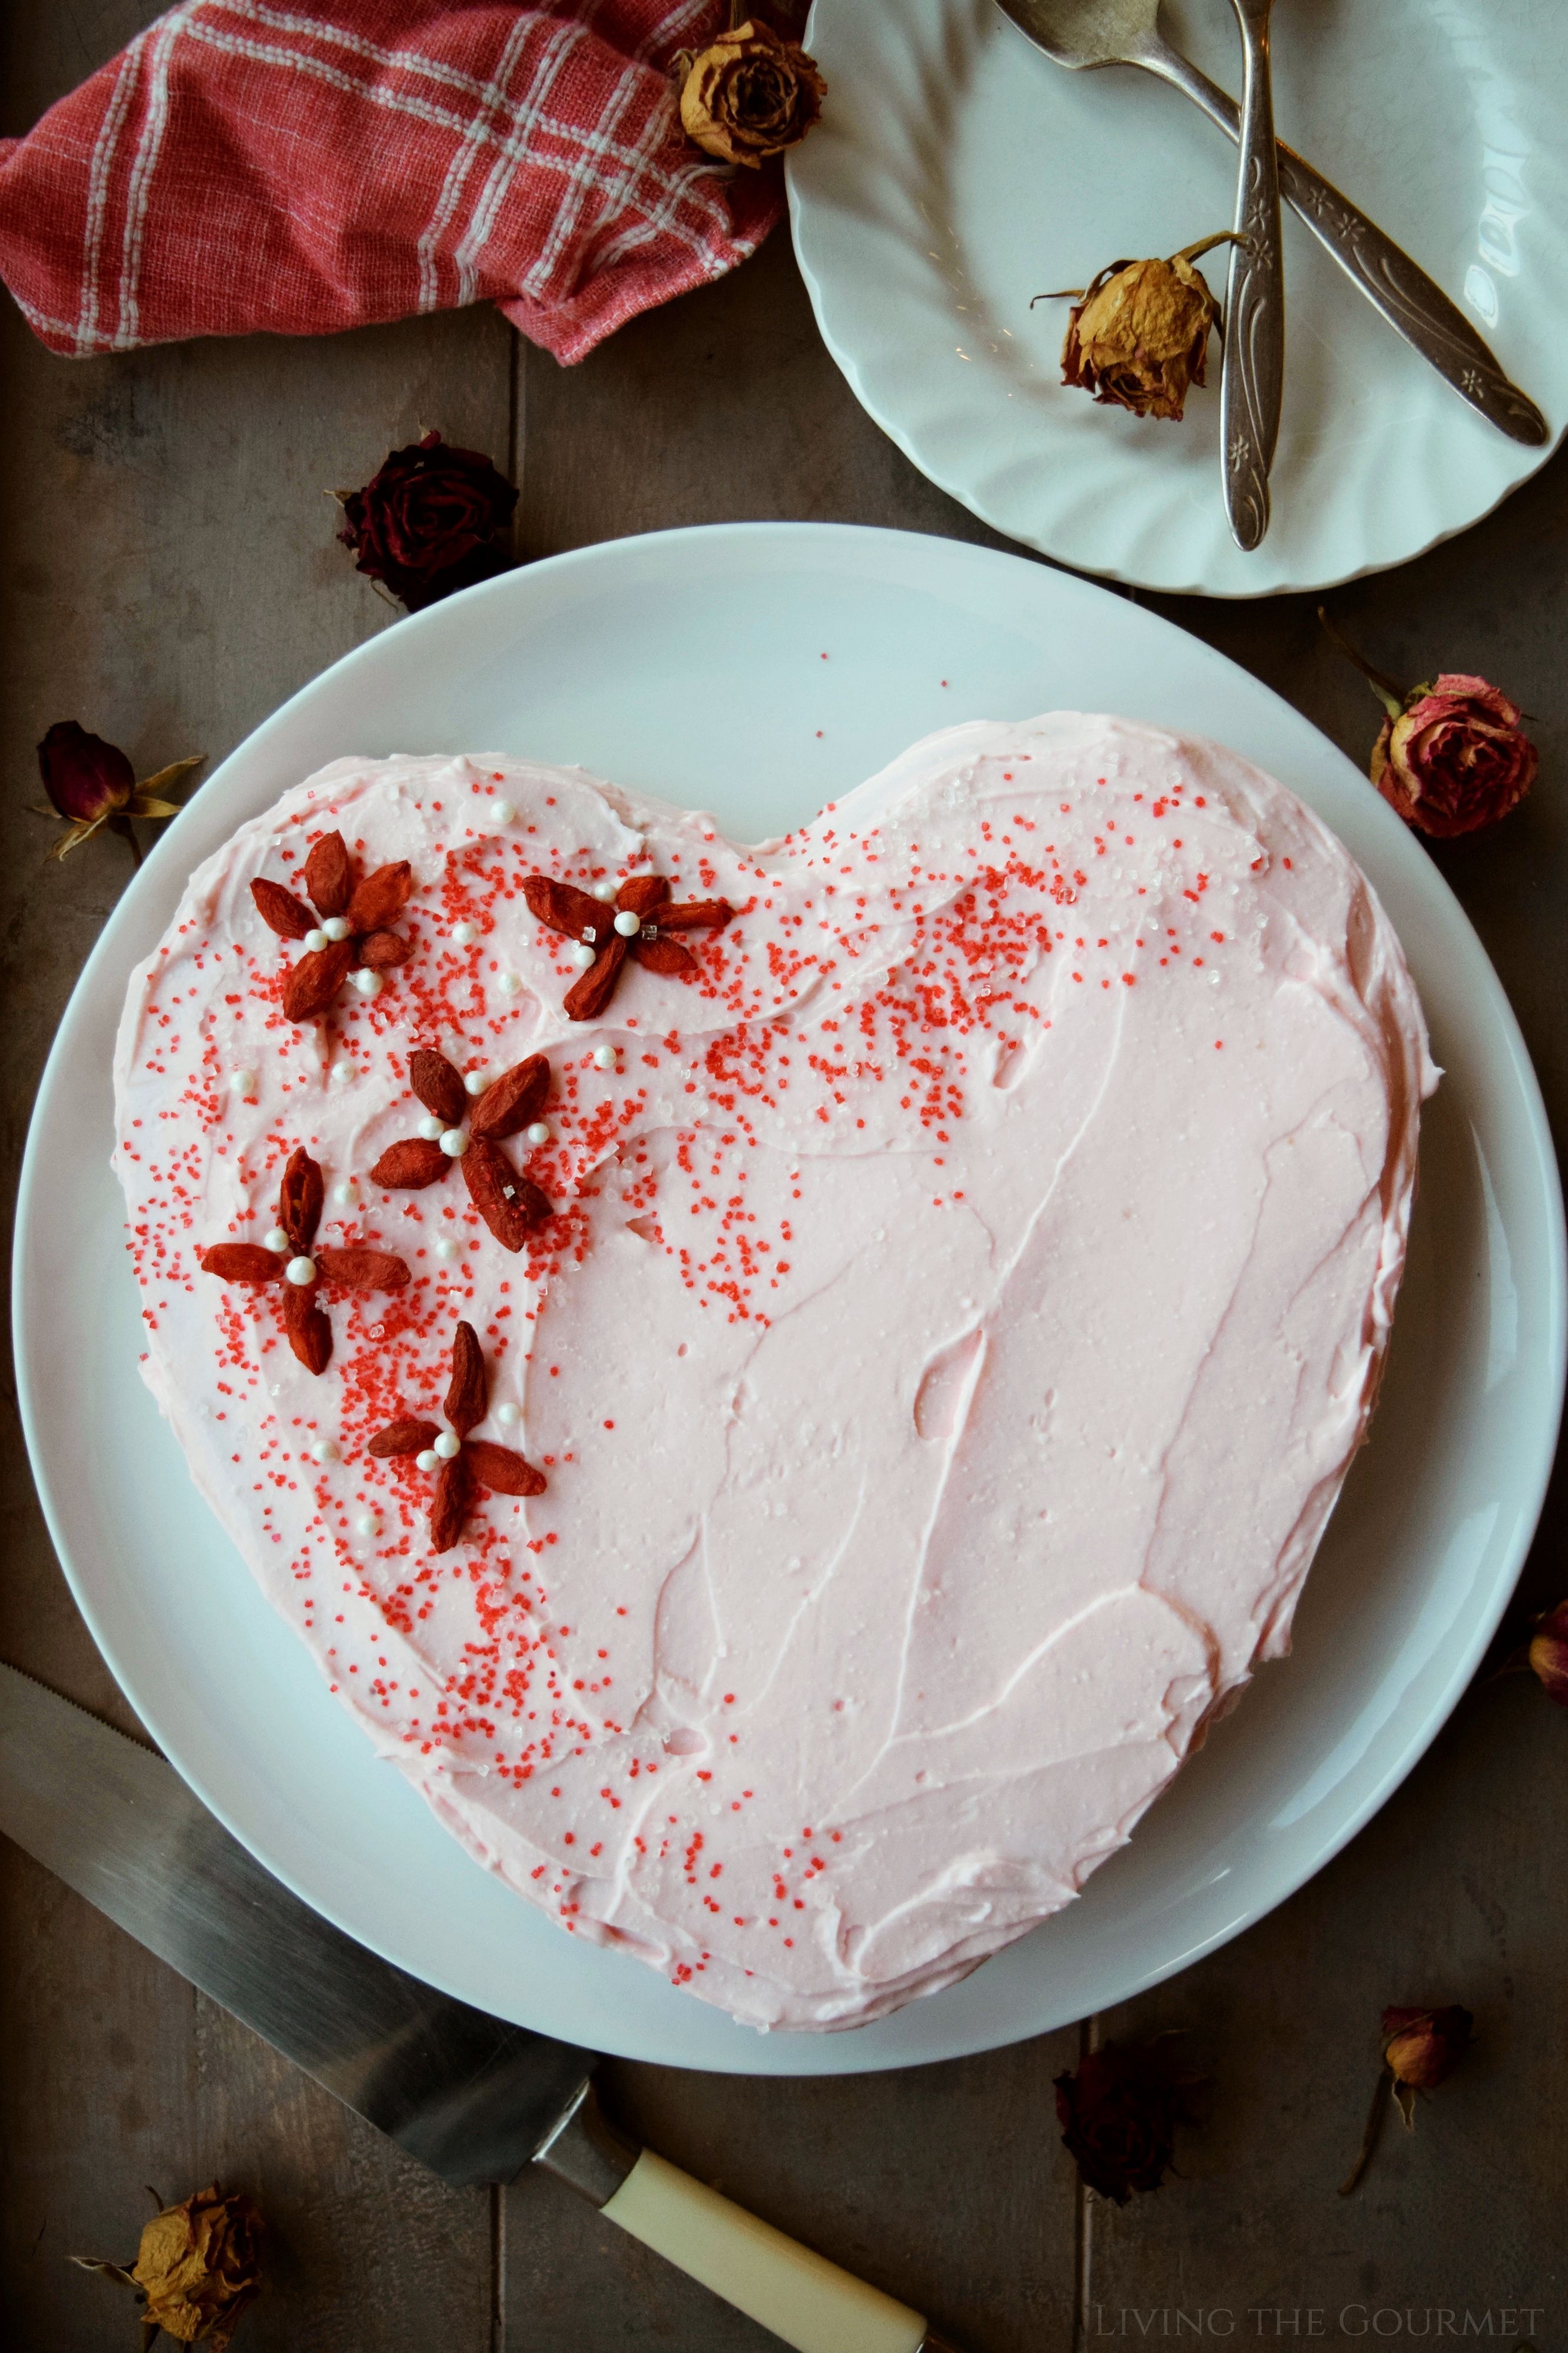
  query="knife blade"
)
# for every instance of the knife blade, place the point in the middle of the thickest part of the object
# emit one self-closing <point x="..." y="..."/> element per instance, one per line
<point x="472" y="2097"/>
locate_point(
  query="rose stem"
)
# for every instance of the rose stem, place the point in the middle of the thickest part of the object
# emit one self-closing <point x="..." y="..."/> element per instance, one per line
<point x="1382" y="685"/>
<point x="1370" y="2138"/>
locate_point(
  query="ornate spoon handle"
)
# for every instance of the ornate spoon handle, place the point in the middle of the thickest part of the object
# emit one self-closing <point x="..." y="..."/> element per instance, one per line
<point x="1254" y="379"/>
<point x="1414" y="305"/>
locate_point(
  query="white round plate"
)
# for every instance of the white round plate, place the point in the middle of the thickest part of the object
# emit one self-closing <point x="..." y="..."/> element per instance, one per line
<point x="957" y="171"/>
<point x="691" y="664"/>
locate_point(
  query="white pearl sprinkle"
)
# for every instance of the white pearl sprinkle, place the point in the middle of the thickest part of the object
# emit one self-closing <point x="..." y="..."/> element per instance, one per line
<point x="453" y="1142"/>
<point x="604" y="1058"/>
<point x="499" y="812"/>
<point x="336" y="927"/>
<point x="368" y="1524"/>
<point x="583" y="954"/>
<point x="464" y="934"/>
<point x="315" y="940"/>
<point x="326" y="1451"/>
<point x="628" y="925"/>
<point x="446" y="1445"/>
<point x="476" y="1082"/>
<point x="539" y="1132"/>
<point x="367" y="983"/>
<point x="426" y="1458"/>
<point x="346" y="1193"/>
<point x="506" y="1415"/>
<point x="446" y="1249"/>
<point x="300" y="1271"/>
<point x="604" y="891"/>
<point x="245" y="1084"/>
<point x="511" y="984"/>
<point x="431" y="1128"/>
<point x="344" y="1073"/>
<point x="277" y="1239"/>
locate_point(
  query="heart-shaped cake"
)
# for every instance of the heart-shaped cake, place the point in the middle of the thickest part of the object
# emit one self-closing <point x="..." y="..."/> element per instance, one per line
<point x="787" y="1387"/>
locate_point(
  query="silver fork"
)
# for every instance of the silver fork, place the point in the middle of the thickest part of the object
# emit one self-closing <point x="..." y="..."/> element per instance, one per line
<point x="1085" y="33"/>
<point x="1253" y="383"/>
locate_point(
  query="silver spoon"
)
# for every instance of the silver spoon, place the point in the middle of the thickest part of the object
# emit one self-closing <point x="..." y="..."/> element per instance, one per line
<point x="1252" y="384"/>
<point x="1081" y="33"/>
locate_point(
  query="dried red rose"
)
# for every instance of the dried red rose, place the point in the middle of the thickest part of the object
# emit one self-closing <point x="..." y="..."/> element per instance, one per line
<point x="1138" y="334"/>
<point x="748" y="95"/>
<point x="197" y="2267"/>
<point x="1119" y="2115"/>
<point x="459" y="1462"/>
<point x="432" y="520"/>
<point x="1548" y="1653"/>
<point x="1450" y="755"/>
<point x="93" y="782"/>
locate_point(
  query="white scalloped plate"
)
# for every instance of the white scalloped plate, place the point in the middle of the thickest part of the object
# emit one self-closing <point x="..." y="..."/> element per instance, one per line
<point x="603" y="657"/>
<point x="956" y="172"/>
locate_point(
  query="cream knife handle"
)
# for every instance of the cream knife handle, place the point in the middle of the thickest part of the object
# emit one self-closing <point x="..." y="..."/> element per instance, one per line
<point x="802" y="2297"/>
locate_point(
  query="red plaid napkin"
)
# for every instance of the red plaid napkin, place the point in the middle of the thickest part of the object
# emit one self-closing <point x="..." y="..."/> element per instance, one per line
<point x="244" y="165"/>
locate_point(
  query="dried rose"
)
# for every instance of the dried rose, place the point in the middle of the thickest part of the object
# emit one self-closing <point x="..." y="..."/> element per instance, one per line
<point x="430" y="521"/>
<point x="93" y="782"/>
<point x="1450" y="755"/>
<point x="1137" y="334"/>
<point x="749" y="96"/>
<point x="1548" y="1653"/>
<point x="1421" y="2048"/>
<point x="197" y="2268"/>
<point x="1119" y="2115"/>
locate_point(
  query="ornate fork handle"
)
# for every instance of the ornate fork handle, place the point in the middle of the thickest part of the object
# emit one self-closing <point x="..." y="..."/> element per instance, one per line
<point x="1253" y="383"/>
<point x="1414" y="305"/>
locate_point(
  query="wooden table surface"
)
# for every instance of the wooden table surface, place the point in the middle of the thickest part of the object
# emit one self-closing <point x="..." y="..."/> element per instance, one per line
<point x="169" y="575"/>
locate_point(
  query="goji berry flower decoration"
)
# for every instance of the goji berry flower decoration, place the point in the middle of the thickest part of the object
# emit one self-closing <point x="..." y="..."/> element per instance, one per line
<point x="461" y="1463"/>
<point x="634" y="921"/>
<point x="348" y="935"/>
<point x="467" y="1131"/>
<point x="287" y="1256"/>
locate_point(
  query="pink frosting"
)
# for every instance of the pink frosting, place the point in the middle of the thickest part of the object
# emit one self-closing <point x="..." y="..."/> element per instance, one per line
<point x="966" y="1299"/>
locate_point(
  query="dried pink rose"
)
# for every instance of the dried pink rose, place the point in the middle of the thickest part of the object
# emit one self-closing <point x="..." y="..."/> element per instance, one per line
<point x="1453" y="757"/>
<point x="1450" y="755"/>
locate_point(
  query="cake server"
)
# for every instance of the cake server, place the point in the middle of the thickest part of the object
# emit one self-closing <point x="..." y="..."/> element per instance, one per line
<point x="471" y="2097"/>
<point x="1081" y="33"/>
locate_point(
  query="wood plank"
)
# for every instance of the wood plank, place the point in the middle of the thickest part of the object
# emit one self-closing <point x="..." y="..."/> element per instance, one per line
<point x="168" y="575"/>
<point x="1449" y="1894"/>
